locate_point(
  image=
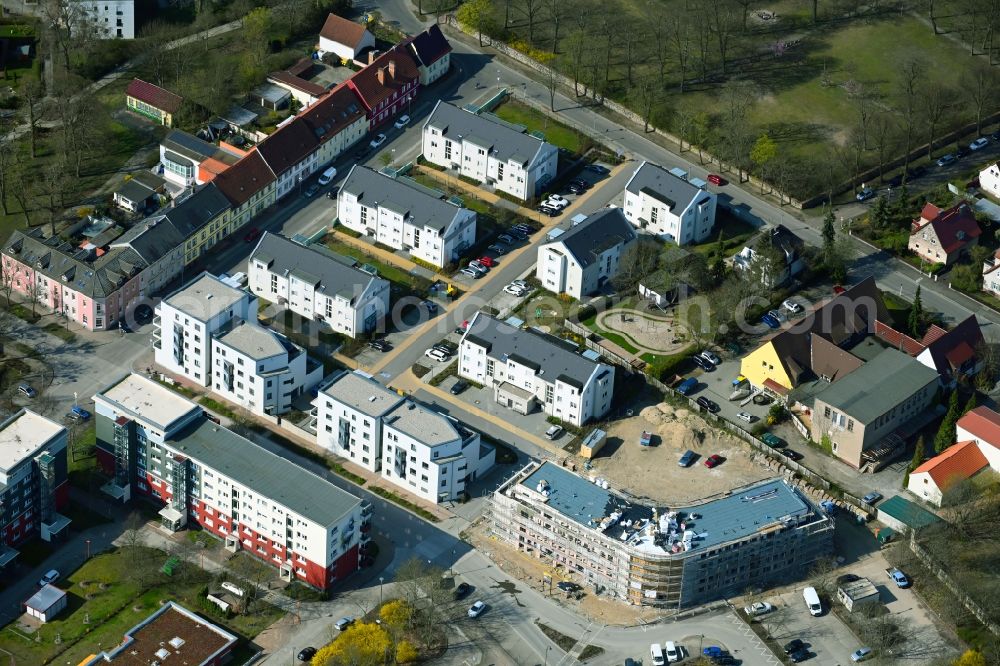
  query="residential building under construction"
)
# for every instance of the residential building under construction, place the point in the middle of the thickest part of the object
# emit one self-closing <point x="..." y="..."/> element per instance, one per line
<point x="673" y="557"/>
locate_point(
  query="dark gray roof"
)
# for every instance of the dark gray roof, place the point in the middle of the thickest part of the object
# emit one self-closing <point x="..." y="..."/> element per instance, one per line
<point x="188" y="145"/>
<point x="430" y="45"/>
<point x="152" y="238"/>
<point x="65" y="263"/>
<point x="134" y="191"/>
<point x="267" y="474"/>
<point x="506" y="143"/>
<point x="363" y="394"/>
<point x="418" y="206"/>
<point x="599" y="232"/>
<point x="554" y="358"/>
<point x="657" y="182"/>
<point x="45" y="598"/>
<point x="878" y="385"/>
<point x="328" y="273"/>
<point x="199" y="209"/>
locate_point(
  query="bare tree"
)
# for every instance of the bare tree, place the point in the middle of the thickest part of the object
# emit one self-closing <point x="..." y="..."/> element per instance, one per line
<point x="912" y="71"/>
<point x="576" y="48"/>
<point x="646" y="97"/>
<point x="640" y="260"/>
<point x="252" y="575"/>
<point x="738" y="97"/>
<point x="680" y="40"/>
<point x="979" y="84"/>
<point x="722" y="22"/>
<point x="823" y="575"/>
<point x="882" y="133"/>
<point x="34" y="292"/>
<point x="557" y="11"/>
<point x="659" y="36"/>
<point x="937" y="101"/>
<point x="531" y="9"/>
<point x="552" y="84"/>
<point x="33" y="94"/>
<point x="630" y="35"/>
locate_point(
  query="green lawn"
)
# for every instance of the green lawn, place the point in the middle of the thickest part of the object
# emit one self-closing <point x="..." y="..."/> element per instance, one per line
<point x="97" y="618"/>
<point x="555" y="133"/>
<point x="387" y="271"/>
<point x="735" y="234"/>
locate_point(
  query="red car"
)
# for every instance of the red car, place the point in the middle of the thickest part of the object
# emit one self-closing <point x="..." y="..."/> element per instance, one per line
<point x="489" y="262"/>
<point x="716" y="179"/>
<point x="713" y="460"/>
<point x="252" y="235"/>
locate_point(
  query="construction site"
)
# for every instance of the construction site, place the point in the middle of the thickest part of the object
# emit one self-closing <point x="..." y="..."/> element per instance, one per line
<point x="647" y="553"/>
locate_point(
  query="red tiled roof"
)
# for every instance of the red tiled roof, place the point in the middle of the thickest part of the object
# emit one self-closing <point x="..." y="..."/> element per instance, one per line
<point x="954" y="227"/>
<point x="245" y="178"/>
<point x="335" y="111"/>
<point x="372" y="91"/>
<point x="896" y="339"/>
<point x="288" y="146"/>
<point x="775" y="386"/>
<point x="983" y="424"/>
<point x="959" y="344"/>
<point x="340" y="30"/>
<point x="154" y="96"/>
<point x="932" y="334"/>
<point x="957" y="463"/>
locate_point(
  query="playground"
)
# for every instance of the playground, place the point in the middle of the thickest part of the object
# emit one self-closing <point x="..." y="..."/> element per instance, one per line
<point x="645" y="331"/>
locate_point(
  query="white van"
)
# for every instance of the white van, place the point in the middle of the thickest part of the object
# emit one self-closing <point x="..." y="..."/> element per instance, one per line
<point x="656" y="654"/>
<point x="673" y="652"/>
<point x="812" y="601"/>
<point x="327" y="176"/>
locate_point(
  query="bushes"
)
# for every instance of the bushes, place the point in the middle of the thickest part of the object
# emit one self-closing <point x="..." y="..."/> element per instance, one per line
<point x="664" y="367"/>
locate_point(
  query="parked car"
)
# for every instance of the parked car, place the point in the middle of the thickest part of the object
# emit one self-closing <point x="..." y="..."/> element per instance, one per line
<point x="687" y="386"/>
<point x="557" y="201"/>
<point x="332" y="193"/>
<point x="945" y="160"/>
<point x="311" y="191"/>
<point x="554" y="432"/>
<point x="981" y="142"/>
<point x="26" y="390"/>
<point x="524" y="228"/>
<point x="80" y="412"/>
<point x="476" y="266"/>
<point x="702" y="363"/>
<point x="863" y="653"/>
<point x="865" y="194"/>
<point x="716" y="179"/>
<point x="687" y="458"/>
<point x="476" y="609"/>
<point x="573" y="188"/>
<point x="504" y="238"/>
<point x="792" y="454"/>
<point x="711" y="357"/>
<point x="847" y="578"/>
<point x="770" y="321"/>
<point x="580" y="182"/>
<point x="252" y="235"/>
<point x="458" y="387"/>
<point x="327" y="176"/>
<point x="744" y="416"/>
<point x="772" y="440"/>
<point x="545" y="209"/>
<point x="961" y="152"/>
<point x="713" y="651"/>
<point x="379" y="345"/>
<point x="306" y="654"/>
<point x="462" y="591"/>
<point x="758" y="608"/>
<point x="498" y="248"/>
<point x="487" y="261"/>
<point x="436" y="355"/>
<point x="599" y="169"/>
<point x="471" y="273"/>
<point x="377" y="141"/>
<point x="50" y="577"/>
<point x="871" y="498"/>
<point x="714" y="460"/>
<point x="792" y="306"/>
<point x="402" y="122"/>
<point x="442" y="347"/>
<point x="344" y="623"/>
<point x="709" y="405"/>
<point x="799" y="655"/>
<point x="515" y="290"/>
<point x="898" y="577"/>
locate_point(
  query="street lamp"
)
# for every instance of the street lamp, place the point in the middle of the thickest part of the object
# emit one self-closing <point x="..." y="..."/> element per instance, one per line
<point x="381" y="579"/>
<point x="88" y="548"/>
<point x="498" y="79"/>
<point x="547" y="648"/>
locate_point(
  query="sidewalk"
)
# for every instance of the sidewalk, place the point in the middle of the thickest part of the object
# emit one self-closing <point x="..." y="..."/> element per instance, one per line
<point x="408" y="382"/>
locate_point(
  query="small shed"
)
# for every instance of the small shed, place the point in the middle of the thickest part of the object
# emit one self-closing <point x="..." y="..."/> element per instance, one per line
<point x="857" y="594"/>
<point x="902" y="515"/>
<point x="46" y="603"/>
<point x="593" y="443"/>
<point x="270" y="96"/>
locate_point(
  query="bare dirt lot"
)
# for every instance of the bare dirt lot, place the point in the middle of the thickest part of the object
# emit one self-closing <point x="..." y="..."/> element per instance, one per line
<point x="653" y="471"/>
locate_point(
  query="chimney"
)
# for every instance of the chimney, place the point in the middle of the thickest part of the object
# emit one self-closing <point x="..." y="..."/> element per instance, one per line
<point x="372" y="54"/>
<point x="381" y="75"/>
<point x="392" y="70"/>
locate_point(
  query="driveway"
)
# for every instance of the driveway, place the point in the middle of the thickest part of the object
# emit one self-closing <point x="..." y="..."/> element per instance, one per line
<point x="829" y="640"/>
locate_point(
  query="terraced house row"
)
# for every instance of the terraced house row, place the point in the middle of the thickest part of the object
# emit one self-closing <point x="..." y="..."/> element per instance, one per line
<point x="98" y="284"/>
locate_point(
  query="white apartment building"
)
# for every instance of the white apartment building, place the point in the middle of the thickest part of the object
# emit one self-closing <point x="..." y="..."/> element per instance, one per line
<point x="422" y="451"/>
<point x="529" y="369"/>
<point x="261" y="370"/>
<point x="187" y="320"/>
<point x="112" y="19"/>
<point x="989" y="179"/>
<point x="157" y="444"/>
<point x="318" y="285"/>
<point x="667" y="204"/>
<point x="488" y="150"/>
<point x="580" y="261"/>
<point x="403" y="215"/>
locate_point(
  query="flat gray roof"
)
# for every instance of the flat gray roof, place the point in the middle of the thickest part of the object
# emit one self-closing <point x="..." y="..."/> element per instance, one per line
<point x="256" y="342"/>
<point x="422" y="424"/>
<point x="552" y="358"/>
<point x="281" y="481"/>
<point x="363" y="394"/>
<point x="879" y="385"/>
<point x="205" y="297"/>
<point x="377" y="189"/>
<point x="507" y="143"/>
<point x="45" y="598"/>
<point x="23" y="434"/>
<point x="741" y="514"/>
<point x="152" y="401"/>
<point x="329" y="274"/>
<point x="655" y="181"/>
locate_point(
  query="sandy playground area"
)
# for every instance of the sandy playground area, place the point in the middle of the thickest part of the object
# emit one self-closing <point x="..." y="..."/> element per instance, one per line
<point x="653" y="472"/>
<point x="646" y="331"/>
